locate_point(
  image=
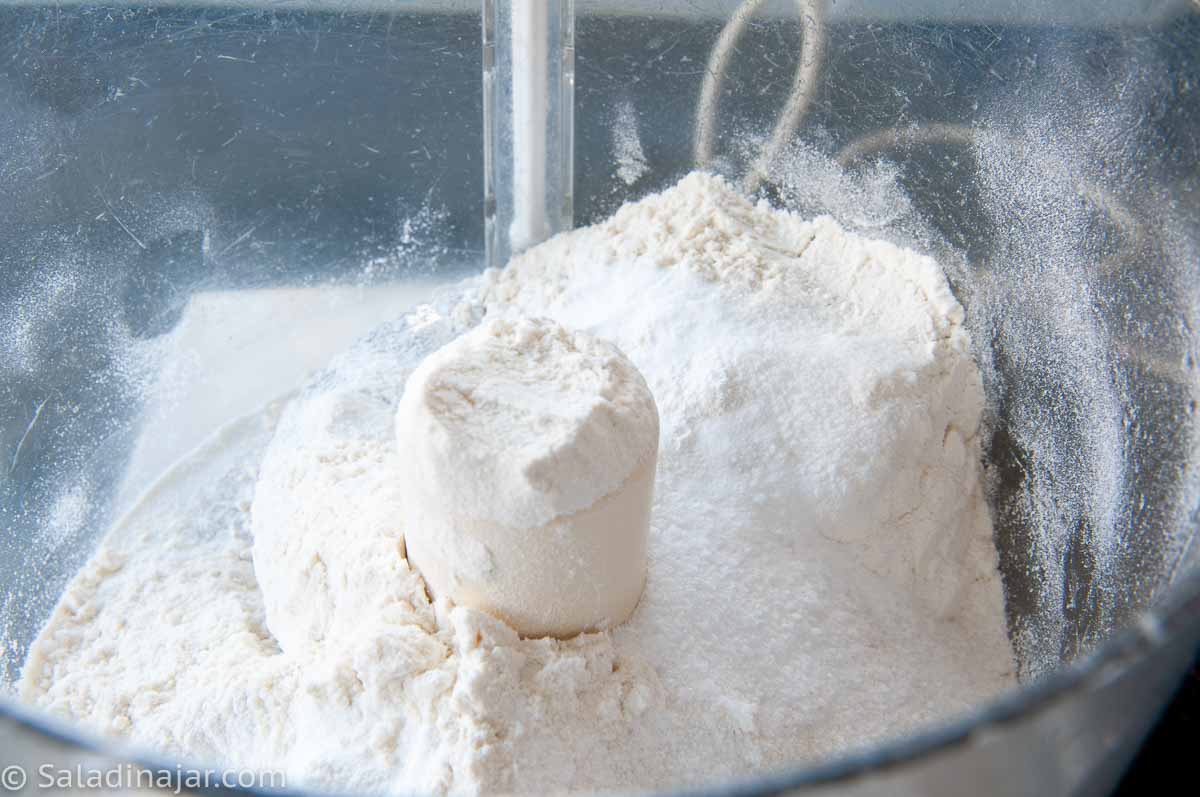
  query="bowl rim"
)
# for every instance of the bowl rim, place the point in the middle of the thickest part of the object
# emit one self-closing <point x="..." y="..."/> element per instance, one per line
<point x="1175" y="617"/>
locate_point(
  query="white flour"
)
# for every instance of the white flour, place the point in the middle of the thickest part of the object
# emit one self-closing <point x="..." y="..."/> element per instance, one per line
<point x="628" y="155"/>
<point x="553" y="451"/>
<point x="821" y="568"/>
<point x="529" y="455"/>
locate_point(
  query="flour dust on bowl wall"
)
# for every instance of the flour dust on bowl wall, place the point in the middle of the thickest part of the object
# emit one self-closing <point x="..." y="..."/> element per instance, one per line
<point x="846" y="445"/>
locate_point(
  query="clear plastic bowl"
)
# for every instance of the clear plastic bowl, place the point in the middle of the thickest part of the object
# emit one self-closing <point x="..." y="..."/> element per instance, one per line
<point x="182" y="184"/>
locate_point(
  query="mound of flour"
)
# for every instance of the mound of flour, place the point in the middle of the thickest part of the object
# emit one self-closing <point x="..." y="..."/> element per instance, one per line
<point x="821" y="566"/>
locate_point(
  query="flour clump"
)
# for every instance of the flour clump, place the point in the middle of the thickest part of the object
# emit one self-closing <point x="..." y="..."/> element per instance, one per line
<point x="820" y="566"/>
<point x="527" y="465"/>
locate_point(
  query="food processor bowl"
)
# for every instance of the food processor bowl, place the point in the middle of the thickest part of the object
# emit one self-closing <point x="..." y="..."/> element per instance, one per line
<point x="185" y="185"/>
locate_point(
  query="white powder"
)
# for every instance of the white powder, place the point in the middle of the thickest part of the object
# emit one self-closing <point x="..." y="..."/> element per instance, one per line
<point x="821" y="567"/>
<point x="628" y="154"/>
<point x="551" y="449"/>
<point x="528" y="459"/>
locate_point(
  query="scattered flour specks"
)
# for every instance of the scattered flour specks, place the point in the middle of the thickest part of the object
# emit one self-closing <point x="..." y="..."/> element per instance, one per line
<point x="627" y="145"/>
